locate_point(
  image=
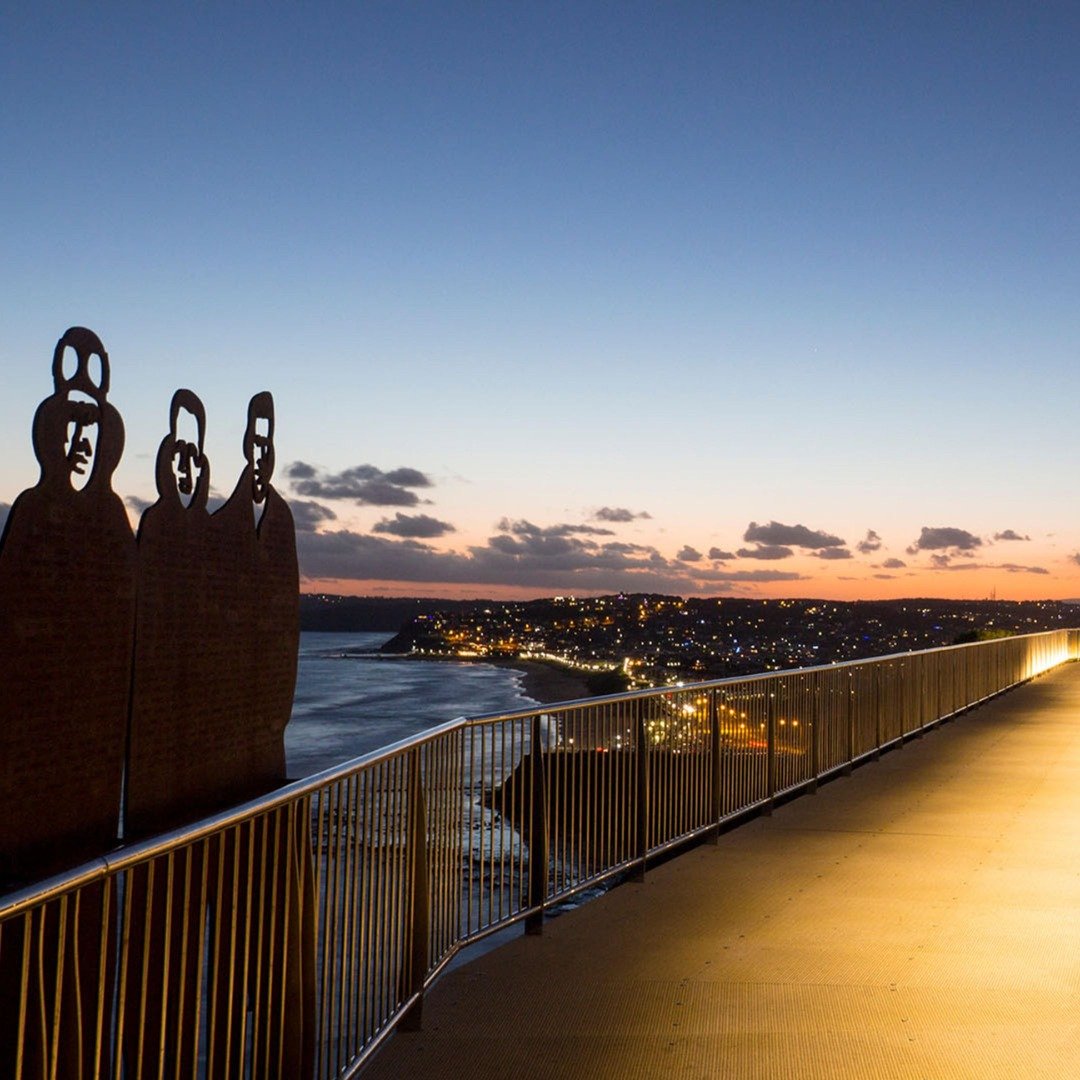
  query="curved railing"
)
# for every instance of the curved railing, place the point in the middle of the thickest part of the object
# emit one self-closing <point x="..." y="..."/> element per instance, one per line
<point x="289" y="936"/>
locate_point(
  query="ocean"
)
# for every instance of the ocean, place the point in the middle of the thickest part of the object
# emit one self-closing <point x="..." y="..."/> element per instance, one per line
<point x="347" y="705"/>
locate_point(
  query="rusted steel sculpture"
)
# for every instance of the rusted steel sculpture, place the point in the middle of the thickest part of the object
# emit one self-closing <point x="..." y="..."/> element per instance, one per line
<point x="258" y="545"/>
<point x="67" y="605"/>
<point x="182" y="649"/>
<point x="255" y="551"/>
<point x="217" y="632"/>
<point x="176" y="768"/>
<point x="215" y="668"/>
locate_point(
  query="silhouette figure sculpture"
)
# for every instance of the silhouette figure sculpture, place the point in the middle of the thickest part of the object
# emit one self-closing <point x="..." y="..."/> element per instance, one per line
<point x="176" y="771"/>
<point x="256" y="547"/>
<point x="183" y="647"/>
<point x="255" y="555"/>
<point x="175" y="768"/>
<point x="67" y="596"/>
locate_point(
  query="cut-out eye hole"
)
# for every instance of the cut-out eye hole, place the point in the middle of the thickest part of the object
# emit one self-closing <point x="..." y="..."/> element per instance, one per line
<point x="93" y="369"/>
<point x="69" y="364"/>
<point x="262" y="427"/>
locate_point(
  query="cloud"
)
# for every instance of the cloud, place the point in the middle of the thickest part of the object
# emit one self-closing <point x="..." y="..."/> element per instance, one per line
<point x="718" y="555"/>
<point x="523" y="527"/>
<point x="618" y="514"/>
<point x="765" y="551"/>
<point x="134" y="502"/>
<point x="833" y="553"/>
<point x="885" y="577"/>
<point x="404" y="477"/>
<point x="893" y="564"/>
<point x="755" y="575"/>
<point x="871" y="543"/>
<point x="1010" y="534"/>
<point x="776" y="534"/>
<point x="416" y="526"/>
<point x="525" y="555"/>
<point x="365" y="485"/>
<point x="629" y="549"/>
<point x="1075" y="557"/>
<point x="944" y="562"/>
<point x="944" y="537"/>
<point x="688" y="554"/>
<point x="309" y="515"/>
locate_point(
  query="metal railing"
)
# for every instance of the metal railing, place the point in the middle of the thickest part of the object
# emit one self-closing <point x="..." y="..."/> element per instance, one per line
<point x="289" y="936"/>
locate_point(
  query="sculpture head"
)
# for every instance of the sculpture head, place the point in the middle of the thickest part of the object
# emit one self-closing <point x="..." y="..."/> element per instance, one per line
<point x="78" y="435"/>
<point x="259" y="444"/>
<point x="183" y="471"/>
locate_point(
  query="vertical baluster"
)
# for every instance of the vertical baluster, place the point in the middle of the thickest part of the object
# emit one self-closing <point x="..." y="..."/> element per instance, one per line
<point x="642" y="790"/>
<point x="715" y="780"/>
<point x="536" y="817"/>
<point x="417" y="886"/>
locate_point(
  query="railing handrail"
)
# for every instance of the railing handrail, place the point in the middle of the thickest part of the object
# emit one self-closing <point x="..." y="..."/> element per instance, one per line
<point x="128" y="854"/>
<point x="756" y="676"/>
<point x="339" y="897"/>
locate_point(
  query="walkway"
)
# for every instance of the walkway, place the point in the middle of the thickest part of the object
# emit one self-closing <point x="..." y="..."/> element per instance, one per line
<point x="920" y="918"/>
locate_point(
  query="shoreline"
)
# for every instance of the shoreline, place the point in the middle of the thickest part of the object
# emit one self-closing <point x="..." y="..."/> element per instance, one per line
<point x="546" y="683"/>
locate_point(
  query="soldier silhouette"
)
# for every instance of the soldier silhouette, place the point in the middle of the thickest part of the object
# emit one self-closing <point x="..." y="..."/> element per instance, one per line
<point x="260" y="581"/>
<point x="67" y="591"/>
<point x="175" y="710"/>
<point x="175" y="770"/>
<point x="67" y="595"/>
<point x="256" y="546"/>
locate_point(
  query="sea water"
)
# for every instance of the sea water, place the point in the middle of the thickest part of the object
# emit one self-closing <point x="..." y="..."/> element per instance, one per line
<point x="348" y="704"/>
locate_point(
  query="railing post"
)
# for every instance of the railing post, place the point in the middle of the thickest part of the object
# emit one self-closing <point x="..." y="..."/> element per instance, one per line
<point x="877" y="695"/>
<point x="417" y="959"/>
<point x="716" y="806"/>
<point x="921" y="670"/>
<point x="898" y="700"/>
<point x="770" y="746"/>
<point x="849" y="716"/>
<point x="538" y="831"/>
<point x="641" y="738"/>
<point x="815" y="731"/>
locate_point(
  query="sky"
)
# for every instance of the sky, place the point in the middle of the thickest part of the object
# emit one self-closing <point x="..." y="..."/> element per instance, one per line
<point x="744" y="299"/>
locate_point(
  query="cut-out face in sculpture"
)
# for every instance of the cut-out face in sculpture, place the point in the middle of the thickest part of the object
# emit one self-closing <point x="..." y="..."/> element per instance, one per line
<point x="70" y="429"/>
<point x="81" y="441"/>
<point x="183" y="471"/>
<point x="190" y="467"/>
<point x="259" y="444"/>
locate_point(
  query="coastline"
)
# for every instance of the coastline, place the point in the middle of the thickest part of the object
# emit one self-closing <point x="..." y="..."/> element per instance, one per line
<point x="545" y="683"/>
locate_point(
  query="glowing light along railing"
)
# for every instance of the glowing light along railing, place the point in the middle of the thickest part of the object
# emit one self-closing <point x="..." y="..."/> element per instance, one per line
<point x="343" y="896"/>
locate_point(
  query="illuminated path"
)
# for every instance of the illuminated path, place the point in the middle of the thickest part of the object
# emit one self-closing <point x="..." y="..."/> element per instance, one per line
<point x="920" y="918"/>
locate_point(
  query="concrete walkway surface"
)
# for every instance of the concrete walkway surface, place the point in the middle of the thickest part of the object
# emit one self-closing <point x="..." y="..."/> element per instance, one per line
<point x="919" y="918"/>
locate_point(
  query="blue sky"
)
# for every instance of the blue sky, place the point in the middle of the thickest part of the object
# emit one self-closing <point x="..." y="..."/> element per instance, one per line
<point x="720" y="263"/>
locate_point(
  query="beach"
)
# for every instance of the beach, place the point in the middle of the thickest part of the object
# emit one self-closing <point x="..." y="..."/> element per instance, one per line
<point x="547" y="683"/>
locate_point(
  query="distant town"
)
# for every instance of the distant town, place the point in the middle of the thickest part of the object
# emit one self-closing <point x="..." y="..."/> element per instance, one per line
<point x="643" y="640"/>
